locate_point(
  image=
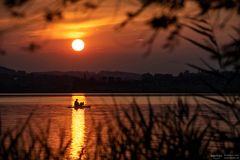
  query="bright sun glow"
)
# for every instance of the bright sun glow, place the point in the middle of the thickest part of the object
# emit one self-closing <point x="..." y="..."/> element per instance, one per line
<point x="78" y="45"/>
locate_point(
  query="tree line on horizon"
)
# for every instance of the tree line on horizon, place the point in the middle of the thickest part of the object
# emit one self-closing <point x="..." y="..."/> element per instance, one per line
<point x="106" y="81"/>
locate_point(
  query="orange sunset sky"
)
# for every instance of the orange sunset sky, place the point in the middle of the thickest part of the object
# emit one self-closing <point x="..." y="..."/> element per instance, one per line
<point x="106" y="47"/>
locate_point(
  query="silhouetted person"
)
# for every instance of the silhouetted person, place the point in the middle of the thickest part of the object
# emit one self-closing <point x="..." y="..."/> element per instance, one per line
<point x="76" y="103"/>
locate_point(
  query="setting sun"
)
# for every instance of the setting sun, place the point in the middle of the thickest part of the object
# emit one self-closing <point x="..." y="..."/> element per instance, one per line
<point x="78" y="45"/>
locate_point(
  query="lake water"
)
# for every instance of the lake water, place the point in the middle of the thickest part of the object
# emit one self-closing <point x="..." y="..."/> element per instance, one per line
<point x="76" y="124"/>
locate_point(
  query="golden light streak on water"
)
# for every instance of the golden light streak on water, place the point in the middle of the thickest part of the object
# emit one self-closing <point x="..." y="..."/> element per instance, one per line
<point x="77" y="128"/>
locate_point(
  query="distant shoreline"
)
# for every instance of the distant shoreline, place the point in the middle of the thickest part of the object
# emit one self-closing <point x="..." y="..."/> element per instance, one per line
<point x="107" y="83"/>
<point x="110" y="94"/>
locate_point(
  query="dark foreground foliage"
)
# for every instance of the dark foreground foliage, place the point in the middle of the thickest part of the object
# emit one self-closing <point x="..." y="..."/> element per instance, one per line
<point x="169" y="132"/>
<point x="176" y="132"/>
<point x="24" y="142"/>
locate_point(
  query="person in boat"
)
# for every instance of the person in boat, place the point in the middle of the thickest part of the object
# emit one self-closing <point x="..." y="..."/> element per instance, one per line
<point x="76" y="103"/>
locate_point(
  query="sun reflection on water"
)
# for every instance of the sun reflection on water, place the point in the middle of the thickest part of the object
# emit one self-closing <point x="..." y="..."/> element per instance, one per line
<point x="78" y="128"/>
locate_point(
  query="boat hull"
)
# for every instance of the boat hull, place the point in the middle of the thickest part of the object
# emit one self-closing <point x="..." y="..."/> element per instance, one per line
<point x="79" y="107"/>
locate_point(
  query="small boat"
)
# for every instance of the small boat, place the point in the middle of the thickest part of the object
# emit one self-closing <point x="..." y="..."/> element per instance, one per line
<point x="80" y="107"/>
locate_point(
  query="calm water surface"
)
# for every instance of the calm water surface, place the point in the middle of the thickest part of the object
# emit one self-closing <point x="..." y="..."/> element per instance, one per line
<point x="76" y="124"/>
